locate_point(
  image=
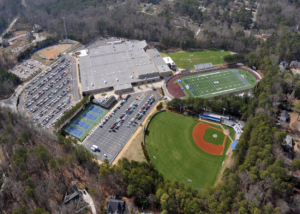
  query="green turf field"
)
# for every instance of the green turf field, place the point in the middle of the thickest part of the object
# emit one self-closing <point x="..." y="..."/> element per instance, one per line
<point x="209" y="136"/>
<point x="169" y="138"/>
<point x="216" y="83"/>
<point x="182" y="58"/>
<point x="80" y="116"/>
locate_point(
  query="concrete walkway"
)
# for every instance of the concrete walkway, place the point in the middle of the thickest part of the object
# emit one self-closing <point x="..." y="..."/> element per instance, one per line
<point x="88" y="199"/>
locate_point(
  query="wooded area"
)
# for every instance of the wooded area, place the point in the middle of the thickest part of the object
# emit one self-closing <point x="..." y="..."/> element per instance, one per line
<point x="8" y="81"/>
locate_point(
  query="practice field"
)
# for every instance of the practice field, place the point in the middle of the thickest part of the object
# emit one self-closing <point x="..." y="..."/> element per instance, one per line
<point x="182" y="59"/>
<point x="50" y="52"/>
<point x="169" y="138"/>
<point x="216" y="83"/>
<point x="85" y="121"/>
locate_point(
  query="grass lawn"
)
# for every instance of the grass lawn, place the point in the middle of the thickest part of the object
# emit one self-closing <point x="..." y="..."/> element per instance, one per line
<point x="90" y="124"/>
<point x="182" y="58"/>
<point x="169" y="138"/>
<point x="209" y="136"/>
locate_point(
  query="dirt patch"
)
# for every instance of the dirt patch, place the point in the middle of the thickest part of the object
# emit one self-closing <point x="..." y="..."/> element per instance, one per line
<point x="198" y="134"/>
<point x="134" y="150"/>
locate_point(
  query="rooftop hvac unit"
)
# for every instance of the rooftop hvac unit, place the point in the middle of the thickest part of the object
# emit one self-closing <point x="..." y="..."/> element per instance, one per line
<point x="131" y="77"/>
<point x="117" y="79"/>
<point x="105" y="82"/>
<point x="92" y="84"/>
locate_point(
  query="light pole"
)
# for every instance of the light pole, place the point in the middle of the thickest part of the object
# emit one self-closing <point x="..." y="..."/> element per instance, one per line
<point x="190" y="181"/>
<point x="65" y="28"/>
<point x="220" y="60"/>
<point x="154" y="159"/>
<point x="184" y="44"/>
<point x="223" y="111"/>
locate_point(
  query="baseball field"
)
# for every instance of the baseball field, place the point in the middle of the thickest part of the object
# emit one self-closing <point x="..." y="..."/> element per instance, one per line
<point x="183" y="59"/>
<point x="170" y="141"/>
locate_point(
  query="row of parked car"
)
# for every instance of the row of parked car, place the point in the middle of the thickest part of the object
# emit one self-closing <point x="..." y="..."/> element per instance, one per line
<point x="142" y="111"/>
<point x="38" y="95"/>
<point x="55" y="111"/>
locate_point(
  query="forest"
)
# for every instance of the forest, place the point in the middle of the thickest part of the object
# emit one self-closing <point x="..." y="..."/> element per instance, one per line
<point x="8" y="81"/>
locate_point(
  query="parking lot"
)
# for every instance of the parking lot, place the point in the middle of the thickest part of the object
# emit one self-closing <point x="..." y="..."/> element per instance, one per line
<point x="51" y="94"/>
<point x="27" y="68"/>
<point x="113" y="134"/>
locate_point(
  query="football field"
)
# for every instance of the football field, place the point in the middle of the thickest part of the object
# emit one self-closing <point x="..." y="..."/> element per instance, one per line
<point x="169" y="138"/>
<point x="216" y="83"/>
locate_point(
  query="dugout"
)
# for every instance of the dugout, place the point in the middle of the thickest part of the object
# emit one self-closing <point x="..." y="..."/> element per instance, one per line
<point x="233" y="145"/>
<point x="202" y="116"/>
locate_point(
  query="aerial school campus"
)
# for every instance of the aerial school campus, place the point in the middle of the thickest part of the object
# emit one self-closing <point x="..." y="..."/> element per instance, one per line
<point x="125" y="82"/>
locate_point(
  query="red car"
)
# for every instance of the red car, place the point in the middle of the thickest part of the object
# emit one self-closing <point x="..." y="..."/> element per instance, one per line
<point x="116" y="127"/>
<point x="112" y="127"/>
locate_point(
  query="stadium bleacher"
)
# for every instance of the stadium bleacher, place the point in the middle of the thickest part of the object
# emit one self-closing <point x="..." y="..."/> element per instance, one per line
<point x="203" y="66"/>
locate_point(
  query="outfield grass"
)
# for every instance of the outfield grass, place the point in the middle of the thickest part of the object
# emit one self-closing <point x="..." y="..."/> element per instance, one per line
<point x="169" y="138"/>
<point x="208" y="136"/>
<point x="80" y="116"/>
<point x="182" y="58"/>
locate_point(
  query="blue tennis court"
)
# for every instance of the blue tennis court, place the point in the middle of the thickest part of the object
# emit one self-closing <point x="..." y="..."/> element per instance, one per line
<point x="96" y="110"/>
<point x="82" y="124"/>
<point x="90" y="116"/>
<point x="74" y="131"/>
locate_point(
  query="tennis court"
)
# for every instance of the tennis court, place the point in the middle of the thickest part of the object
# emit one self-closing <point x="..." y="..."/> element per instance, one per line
<point x="82" y="124"/>
<point x="85" y="121"/>
<point x="74" y="131"/>
<point x="216" y="83"/>
<point x="96" y="110"/>
<point x="90" y="116"/>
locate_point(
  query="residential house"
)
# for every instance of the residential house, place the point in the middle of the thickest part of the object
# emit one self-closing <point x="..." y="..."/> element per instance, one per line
<point x="147" y="7"/>
<point x="283" y="65"/>
<point x="288" y="142"/>
<point x="115" y="205"/>
<point x="74" y="196"/>
<point x="284" y="116"/>
<point x="295" y="64"/>
<point x="5" y="43"/>
<point x="37" y="28"/>
<point x="29" y="35"/>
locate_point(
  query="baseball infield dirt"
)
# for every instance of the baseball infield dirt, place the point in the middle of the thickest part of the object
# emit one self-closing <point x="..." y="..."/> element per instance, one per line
<point x="198" y="134"/>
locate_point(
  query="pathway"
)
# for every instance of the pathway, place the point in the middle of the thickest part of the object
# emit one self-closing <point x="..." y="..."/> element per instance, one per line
<point x="9" y="27"/>
<point x="88" y="199"/>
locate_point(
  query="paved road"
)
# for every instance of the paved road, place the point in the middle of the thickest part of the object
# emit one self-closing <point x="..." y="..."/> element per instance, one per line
<point x="18" y="49"/>
<point x="9" y="27"/>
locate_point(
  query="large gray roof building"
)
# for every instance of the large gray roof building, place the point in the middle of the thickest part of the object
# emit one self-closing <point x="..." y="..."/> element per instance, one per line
<point x="118" y="66"/>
